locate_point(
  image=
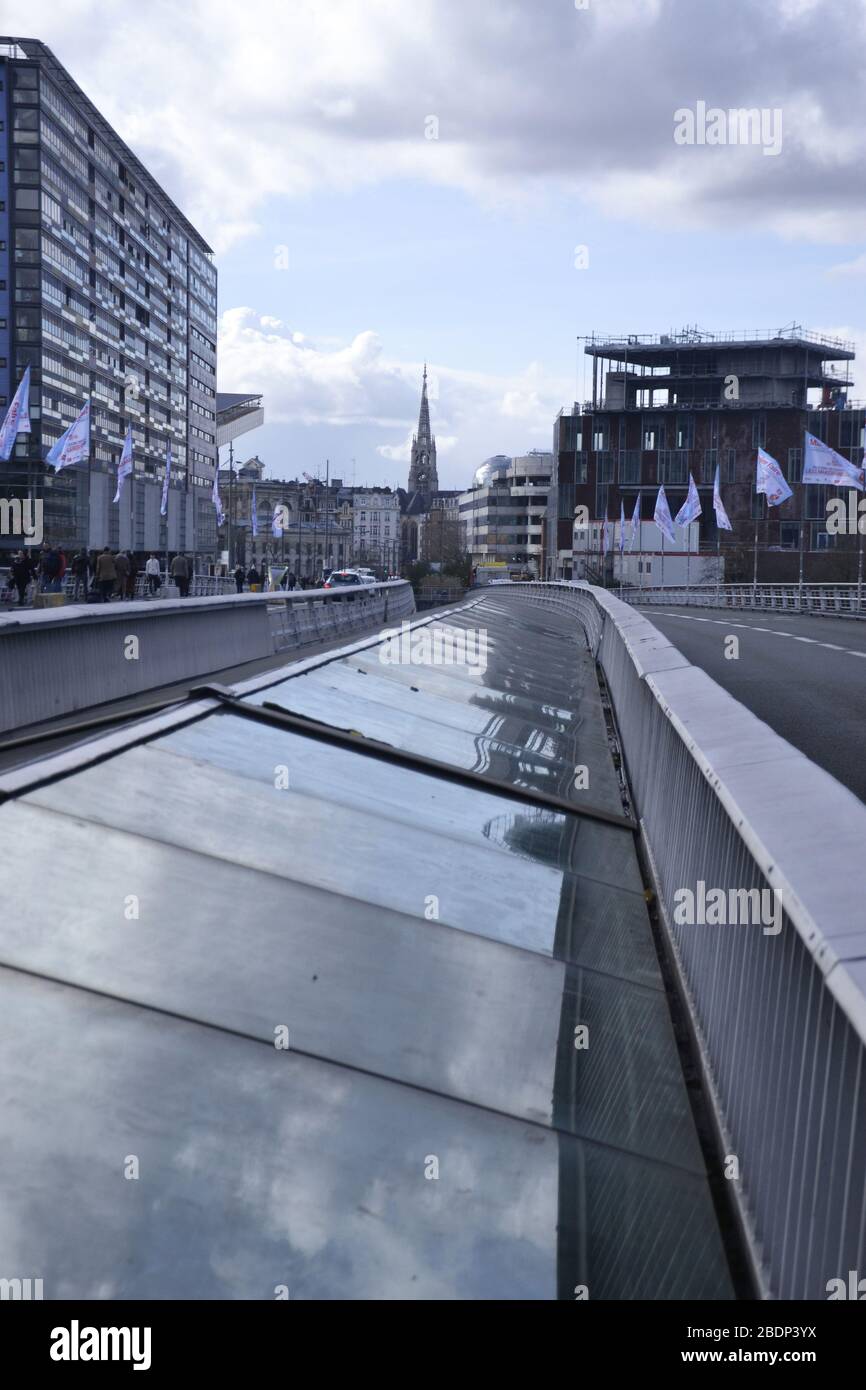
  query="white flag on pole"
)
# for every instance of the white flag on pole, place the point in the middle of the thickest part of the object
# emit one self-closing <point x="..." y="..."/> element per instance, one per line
<point x="771" y="480"/>
<point x="691" y="508"/>
<point x="215" y="495"/>
<point x="17" y="419"/>
<point x="277" y="522"/>
<point x="662" y="516"/>
<point x="722" y="519"/>
<point x="163" y="506"/>
<point x="73" y="446"/>
<point x="821" y="464"/>
<point x="124" y="467"/>
<point x="635" y="522"/>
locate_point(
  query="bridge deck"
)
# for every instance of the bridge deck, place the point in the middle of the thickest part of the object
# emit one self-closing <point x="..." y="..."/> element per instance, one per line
<point x="428" y="937"/>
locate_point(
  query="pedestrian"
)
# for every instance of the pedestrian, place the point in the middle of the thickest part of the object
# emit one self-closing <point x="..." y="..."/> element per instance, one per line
<point x="178" y="573"/>
<point x="78" y="570"/>
<point x="151" y="570"/>
<point x="239" y="577"/>
<point x="106" y="574"/>
<point x="190" y="574"/>
<point x="121" y="571"/>
<point x="49" y="569"/>
<point x="131" y="576"/>
<point x="253" y="576"/>
<point x="20" y="575"/>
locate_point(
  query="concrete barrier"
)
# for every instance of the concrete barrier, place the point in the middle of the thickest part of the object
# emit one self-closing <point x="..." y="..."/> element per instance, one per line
<point x="56" y="661"/>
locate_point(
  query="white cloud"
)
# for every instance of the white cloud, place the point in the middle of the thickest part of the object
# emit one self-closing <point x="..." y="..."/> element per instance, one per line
<point x="234" y="104"/>
<point x="305" y="382"/>
<point x="855" y="267"/>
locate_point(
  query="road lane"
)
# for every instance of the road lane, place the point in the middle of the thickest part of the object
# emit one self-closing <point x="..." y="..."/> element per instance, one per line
<point x="804" y="676"/>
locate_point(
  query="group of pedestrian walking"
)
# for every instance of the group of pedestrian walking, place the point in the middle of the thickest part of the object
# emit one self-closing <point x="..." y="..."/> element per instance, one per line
<point x="97" y="576"/>
<point x="255" y="578"/>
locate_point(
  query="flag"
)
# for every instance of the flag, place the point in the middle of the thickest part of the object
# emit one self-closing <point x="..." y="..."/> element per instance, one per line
<point x="73" y="446"/>
<point x="722" y="518"/>
<point x="771" y="480"/>
<point x="821" y="464"/>
<point x="254" y="517"/>
<point x="124" y="467"/>
<point x="605" y="538"/>
<point x="691" y="508"/>
<point x="635" y="522"/>
<point x="17" y="420"/>
<point x="163" y="506"/>
<point x="621" y="527"/>
<point x="662" y="516"/>
<point x="215" y="495"/>
<point x="276" y="523"/>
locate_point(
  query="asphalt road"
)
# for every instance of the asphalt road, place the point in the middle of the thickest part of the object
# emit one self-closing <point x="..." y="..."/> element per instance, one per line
<point x="805" y="677"/>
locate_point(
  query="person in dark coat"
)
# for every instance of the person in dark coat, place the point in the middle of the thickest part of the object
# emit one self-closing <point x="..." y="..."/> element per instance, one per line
<point x="239" y="578"/>
<point x="21" y="574"/>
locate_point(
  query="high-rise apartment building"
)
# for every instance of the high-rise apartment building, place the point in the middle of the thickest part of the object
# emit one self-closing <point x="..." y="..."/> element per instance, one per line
<point x="107" y="292"/>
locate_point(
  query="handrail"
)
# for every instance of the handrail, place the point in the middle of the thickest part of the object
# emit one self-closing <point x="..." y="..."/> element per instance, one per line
<point x="779" y="1015"/>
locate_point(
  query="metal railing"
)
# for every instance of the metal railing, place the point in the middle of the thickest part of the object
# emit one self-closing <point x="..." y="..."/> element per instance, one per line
<point x="314" y="615"/>
<point x="695" y="337"/>
<point x="824" y="600"/>
<point x="779" y="1016"/>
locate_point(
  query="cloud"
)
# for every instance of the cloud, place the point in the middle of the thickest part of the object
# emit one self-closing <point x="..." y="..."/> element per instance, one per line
<point x="232" y="105"/>
<point x="355" y="385"/>
<point x="855" y="267"/>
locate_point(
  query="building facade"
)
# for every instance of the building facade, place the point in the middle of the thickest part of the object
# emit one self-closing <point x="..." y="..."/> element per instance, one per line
<point x="678" y="404"/>
<point x="317" y="533"/>
<point x="107" y="293"/>
<point x="376" y="528"/>
<point x="503" y="515"/>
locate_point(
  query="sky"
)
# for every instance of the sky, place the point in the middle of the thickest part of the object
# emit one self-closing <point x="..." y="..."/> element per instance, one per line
<point x="478" y="184"/>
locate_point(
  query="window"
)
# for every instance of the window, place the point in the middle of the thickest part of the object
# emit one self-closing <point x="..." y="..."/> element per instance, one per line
<point x="815" y="507"/>
<point x="653" y="433"/>
<point x="685" y="431"/>
<point x="604" y="468"/>
<point x="27" y="198"/>
<point x="759" y="431"/>
<point x="851" y="429"/>
<point x="731" y="473"/>
<point x="821" y="537"/>
<point x="26" y="244"/>
<point x="600" y="435"/>
<point x="789" y="535"/>
<point x="795" y="465"/>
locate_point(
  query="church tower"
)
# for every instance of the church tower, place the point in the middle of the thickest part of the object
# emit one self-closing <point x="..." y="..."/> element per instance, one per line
<point x="423" y="477"/>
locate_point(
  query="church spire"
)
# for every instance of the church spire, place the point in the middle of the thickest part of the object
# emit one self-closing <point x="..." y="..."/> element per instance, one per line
<point x="423" y="477"/>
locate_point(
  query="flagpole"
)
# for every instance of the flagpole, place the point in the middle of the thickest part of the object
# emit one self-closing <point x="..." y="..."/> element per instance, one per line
<point x="718" y="559"/>
<point x="87" y="519"/>
<point x="663" y="558"/>
<point x="640" y="549"/>
<point x="802" y="529"/>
